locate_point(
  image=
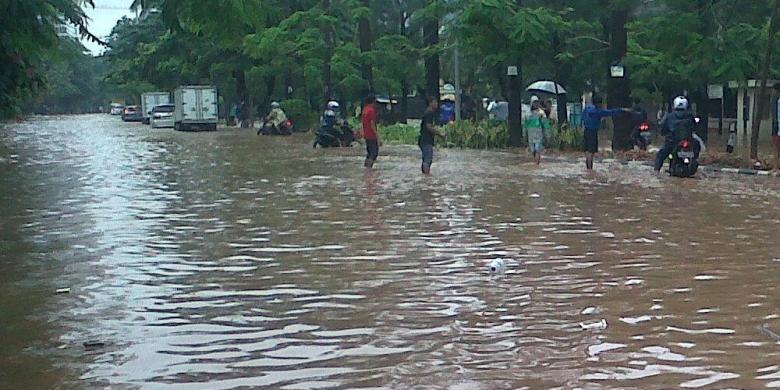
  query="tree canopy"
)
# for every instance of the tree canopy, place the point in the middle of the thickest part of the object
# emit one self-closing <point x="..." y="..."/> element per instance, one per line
<point x="314" y="50"/>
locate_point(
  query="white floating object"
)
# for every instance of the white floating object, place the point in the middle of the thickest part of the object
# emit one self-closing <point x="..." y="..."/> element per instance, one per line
<point x="497" y="266"/>
<point x="534" y="195"/>
<point x="594" y="325"/>
<point x="65" y="290"/>
<point x="588" y="310"/>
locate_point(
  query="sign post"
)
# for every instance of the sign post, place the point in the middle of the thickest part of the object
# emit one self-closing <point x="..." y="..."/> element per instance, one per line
<point x="715" y="91"/>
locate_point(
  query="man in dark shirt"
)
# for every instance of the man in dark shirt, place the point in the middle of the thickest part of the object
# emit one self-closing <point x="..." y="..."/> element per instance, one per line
<point x="428" y="133"/>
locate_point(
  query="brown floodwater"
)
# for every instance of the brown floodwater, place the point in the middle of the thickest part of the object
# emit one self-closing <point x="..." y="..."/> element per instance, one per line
<point x="226" y="260"/>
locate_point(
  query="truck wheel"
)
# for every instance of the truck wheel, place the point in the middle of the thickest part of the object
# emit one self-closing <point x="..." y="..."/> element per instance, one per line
<point x="177" y="126"/>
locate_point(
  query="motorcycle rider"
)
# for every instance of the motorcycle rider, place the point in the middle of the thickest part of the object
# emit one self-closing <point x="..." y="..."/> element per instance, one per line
<point x="275" y="119"/>
<point x="330" y="118"/>
<point x="675" y="126"/>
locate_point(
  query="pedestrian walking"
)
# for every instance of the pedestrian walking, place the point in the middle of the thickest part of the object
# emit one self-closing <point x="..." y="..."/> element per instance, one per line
<point x="591" y="121"/>
<point x="535" y="126"/>
<point x="428" y="133"/>
<point x="370" y="118"/>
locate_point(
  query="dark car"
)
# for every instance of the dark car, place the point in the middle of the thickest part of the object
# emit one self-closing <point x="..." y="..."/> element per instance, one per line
<point x="132" y="114"/>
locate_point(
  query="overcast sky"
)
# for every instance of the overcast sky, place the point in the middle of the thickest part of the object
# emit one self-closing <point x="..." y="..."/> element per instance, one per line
<point x="103" y="18"/>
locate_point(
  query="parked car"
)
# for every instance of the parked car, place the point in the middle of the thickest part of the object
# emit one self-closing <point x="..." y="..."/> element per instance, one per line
<point x="150" y="100"/>
<point x="132" y="114"/>
<point x="117" y="109"/>
<point x="162" y="116"/>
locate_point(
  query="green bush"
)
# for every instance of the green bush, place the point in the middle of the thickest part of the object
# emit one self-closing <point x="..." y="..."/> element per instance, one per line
<point x="399" y="133"/>
<point x="298" y="110"/>
<point x="562" y="137"/>
<point x="477" y="135"/>
<point x="482" y="135"/>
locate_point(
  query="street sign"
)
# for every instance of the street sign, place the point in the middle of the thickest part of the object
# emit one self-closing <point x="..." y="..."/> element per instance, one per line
<point x="715" y="91"/>
<point x="511" y="71"/>
<point x="617" y="71"/>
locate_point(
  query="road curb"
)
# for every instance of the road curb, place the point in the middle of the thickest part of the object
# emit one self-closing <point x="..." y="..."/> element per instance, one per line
<point x="740" y="171"/>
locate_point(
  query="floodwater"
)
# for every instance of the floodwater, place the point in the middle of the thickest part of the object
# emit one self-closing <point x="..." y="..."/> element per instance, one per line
<point x="226" y="260"/>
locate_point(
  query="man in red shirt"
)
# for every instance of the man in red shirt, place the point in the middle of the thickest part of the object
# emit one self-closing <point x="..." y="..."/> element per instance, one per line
<point x="370" y="132"/>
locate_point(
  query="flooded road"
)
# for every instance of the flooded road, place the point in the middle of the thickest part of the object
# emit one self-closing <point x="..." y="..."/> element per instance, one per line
<point x="225" y="260"/>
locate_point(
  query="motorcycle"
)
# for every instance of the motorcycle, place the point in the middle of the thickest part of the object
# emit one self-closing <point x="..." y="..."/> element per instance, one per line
<point x="334" y="136"/>
<point x="642" y="136"/>
<point x="286" y="128"/>
<point x="684" y="159"/>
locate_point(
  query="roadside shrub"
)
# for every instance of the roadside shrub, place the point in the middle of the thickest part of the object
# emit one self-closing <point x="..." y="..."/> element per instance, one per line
<point x="298" y="110"/>
<point x="400" y="133"/>
<point x="477" y="135"/>
<point x="562" y="137"/>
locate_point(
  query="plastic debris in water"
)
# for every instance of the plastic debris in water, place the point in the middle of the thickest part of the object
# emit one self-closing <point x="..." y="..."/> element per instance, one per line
<point x="497" y="266"/>
<point x="588" y="310"/>
<point x="62" y="290"/>
<point x="594" y="325"/>
<point x="94" y="344"/>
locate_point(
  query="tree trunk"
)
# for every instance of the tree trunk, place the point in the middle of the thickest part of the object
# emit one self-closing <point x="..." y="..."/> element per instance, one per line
<point x="503" y="86"/>
<point x="619" y="88"/>
<point x="327" y="35"/>
<point x="270" y="84"/>
<point x="515" y="101"/>
<point x="404" y="82"/>
<point x="288" y="84"/>
<point x="760" y="104"/>
<point x="563" y="114"/>
<point x="366" y="40"/>
<point x="431" y="42"/>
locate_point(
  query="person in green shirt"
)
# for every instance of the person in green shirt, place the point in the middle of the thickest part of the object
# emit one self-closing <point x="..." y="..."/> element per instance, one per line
<point x="536" y="124"/>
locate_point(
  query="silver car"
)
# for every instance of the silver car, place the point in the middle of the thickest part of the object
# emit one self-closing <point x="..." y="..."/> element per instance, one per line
<point x="162" y="116"/>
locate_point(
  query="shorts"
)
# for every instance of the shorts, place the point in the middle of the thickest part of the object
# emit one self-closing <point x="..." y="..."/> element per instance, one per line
<point x="372" y="149"/>
<point x="777" y="142"/>
<point x="427" y="154"/>
<point x="536" y="147"/>
<point x="591" y="144"/>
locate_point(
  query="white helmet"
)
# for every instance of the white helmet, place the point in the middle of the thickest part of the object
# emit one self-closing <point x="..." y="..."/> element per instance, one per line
<point x="333" y="105"/>
<point x="275" y="105"/>
<point x="680" y="103"/>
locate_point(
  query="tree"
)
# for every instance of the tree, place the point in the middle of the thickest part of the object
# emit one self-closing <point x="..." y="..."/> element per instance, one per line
<point x="619" y="88"/>
<point x="366" y="41"/>
<point x="29" y="29"/>
<point x="760" y="104"/>
<point x="431" y="43"/>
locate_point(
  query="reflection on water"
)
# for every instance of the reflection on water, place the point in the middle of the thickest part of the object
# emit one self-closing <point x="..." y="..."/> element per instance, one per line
<point x="245" y="261"/>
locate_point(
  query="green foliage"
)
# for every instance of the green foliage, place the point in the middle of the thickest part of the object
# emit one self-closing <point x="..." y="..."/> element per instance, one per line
<point x="477" y="135"/>
<point x="27" y="31"/>
<point x="299" y="111"/>
<point x="399" y="134"/>
<point x="563" y="137"/>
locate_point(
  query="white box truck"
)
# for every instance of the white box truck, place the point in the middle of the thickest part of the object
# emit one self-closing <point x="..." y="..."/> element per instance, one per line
<point x="196" y="107"/>
<point x="150" y="100"/>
